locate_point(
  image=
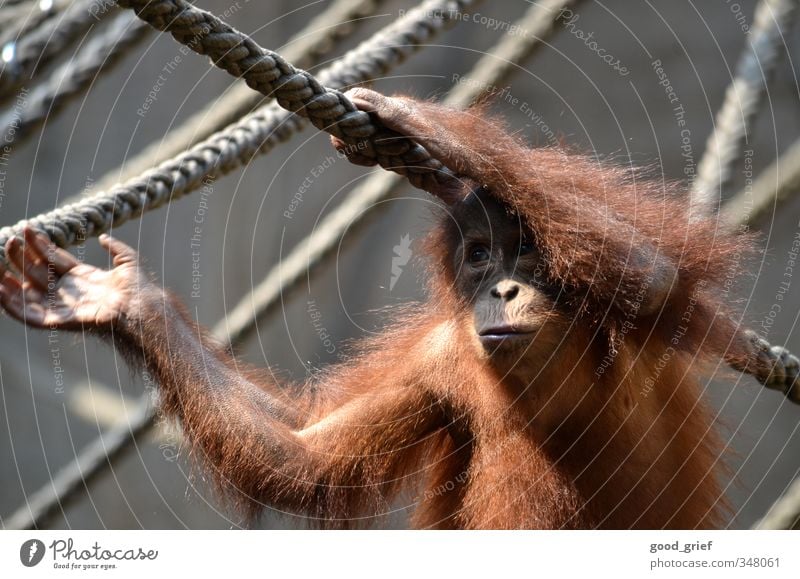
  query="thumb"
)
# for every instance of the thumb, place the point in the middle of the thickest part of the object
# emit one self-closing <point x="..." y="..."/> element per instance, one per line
<point x="121" y="252"/>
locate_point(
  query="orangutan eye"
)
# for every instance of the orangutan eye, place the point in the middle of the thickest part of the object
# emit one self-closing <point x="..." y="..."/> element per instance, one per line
<point x="526" y="247"/>
<point x="478" y="255"/>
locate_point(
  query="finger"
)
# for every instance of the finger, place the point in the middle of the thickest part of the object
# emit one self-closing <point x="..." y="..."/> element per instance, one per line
<point x="29" y="235"/>
<point x="18" y="307"/>
<point x="13" y="306"/>
<point x="27" y="263"/>
<point x="19" y="290"/>
<point x="362" y="160"/>
<point x="10" y="282"/>
<point x="121" y="252"/>
<point x="352" y="154"/>
<point x="23" y="289"/>
<point x="393" y="112"/>
<point x="338" y="144"/>
<point x="13" y="253"/>
<point x="365" y="99"/>
<point x="61" y="260"/>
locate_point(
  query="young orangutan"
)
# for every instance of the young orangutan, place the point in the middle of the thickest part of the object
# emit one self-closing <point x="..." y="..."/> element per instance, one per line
<point x="550" y="381"/>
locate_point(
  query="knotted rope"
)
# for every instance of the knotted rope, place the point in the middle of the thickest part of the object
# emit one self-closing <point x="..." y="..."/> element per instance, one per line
<point x="234" y="146"/>
<point x="306" y="49"/>
<point x="256" y="133"/>
<point x="774" y="366"/>
<point x="295" y="90"/>
<point x="74" y="77"/>
<point x="39" y="47"/>
<point x="763" y="46"/>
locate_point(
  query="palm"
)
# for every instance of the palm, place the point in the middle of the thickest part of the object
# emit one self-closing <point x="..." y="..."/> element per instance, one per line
<point x="89" y="295"/>
<point x="56" y="290"/>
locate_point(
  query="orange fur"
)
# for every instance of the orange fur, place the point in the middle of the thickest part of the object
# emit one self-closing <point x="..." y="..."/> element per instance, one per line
<point x="608" y="431"/>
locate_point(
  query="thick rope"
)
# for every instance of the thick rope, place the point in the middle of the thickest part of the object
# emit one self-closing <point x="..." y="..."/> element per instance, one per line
<point x="492" y="69"/>
<point x="38" y="48"/>
<point x="784" y="514"/>
<point x="74" y="77"/>
<point x="388" y="48"/>
<point x="774" y="186"/>
<point x="233" y="147"/>
<point x="774" y="366"/>
<point x="742" y="211"/>
<point x="22" y="18"/>
<point x="773" y="18"/>
<point x="295" y="90"/>
<point x="305" y="49"/>
<point x="139" y="427"/>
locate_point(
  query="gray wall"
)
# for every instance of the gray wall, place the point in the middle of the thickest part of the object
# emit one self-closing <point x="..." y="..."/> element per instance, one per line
<point x="49" y="413"/>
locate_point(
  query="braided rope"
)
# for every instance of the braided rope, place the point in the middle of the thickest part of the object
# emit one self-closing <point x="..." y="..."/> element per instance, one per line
<point x="774" y="377"/>
<point x="387" y="48"/>
<point x="775" y="185"/>
<point x="74" y="77"/>
<point x="22" y="18"/>
<point x="774" y="366"/>
<point x="295" y="90"/>
<point x="41" y="46"/>
<point x="743" y="210"/>
<point x="742" y="100"/>
<point x="784" y="514"/>
<point x="305" y="49"/>
<point x="256" y="133"/>
<point x="536" y="26"/>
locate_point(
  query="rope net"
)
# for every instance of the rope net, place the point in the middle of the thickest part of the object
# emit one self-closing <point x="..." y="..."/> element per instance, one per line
<point x="299" y="97"/>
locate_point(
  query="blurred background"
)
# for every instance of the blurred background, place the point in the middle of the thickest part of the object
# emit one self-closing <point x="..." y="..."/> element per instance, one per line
<point x="59" y="396"/>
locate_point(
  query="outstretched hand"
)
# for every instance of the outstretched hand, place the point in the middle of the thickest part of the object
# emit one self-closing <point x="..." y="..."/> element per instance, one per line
<point x="52" y="289"/>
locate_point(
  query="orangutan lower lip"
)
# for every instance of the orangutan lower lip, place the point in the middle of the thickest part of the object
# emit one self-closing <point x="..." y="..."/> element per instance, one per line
<point x="503" y="331"/>
<point x="497" y="334"/>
